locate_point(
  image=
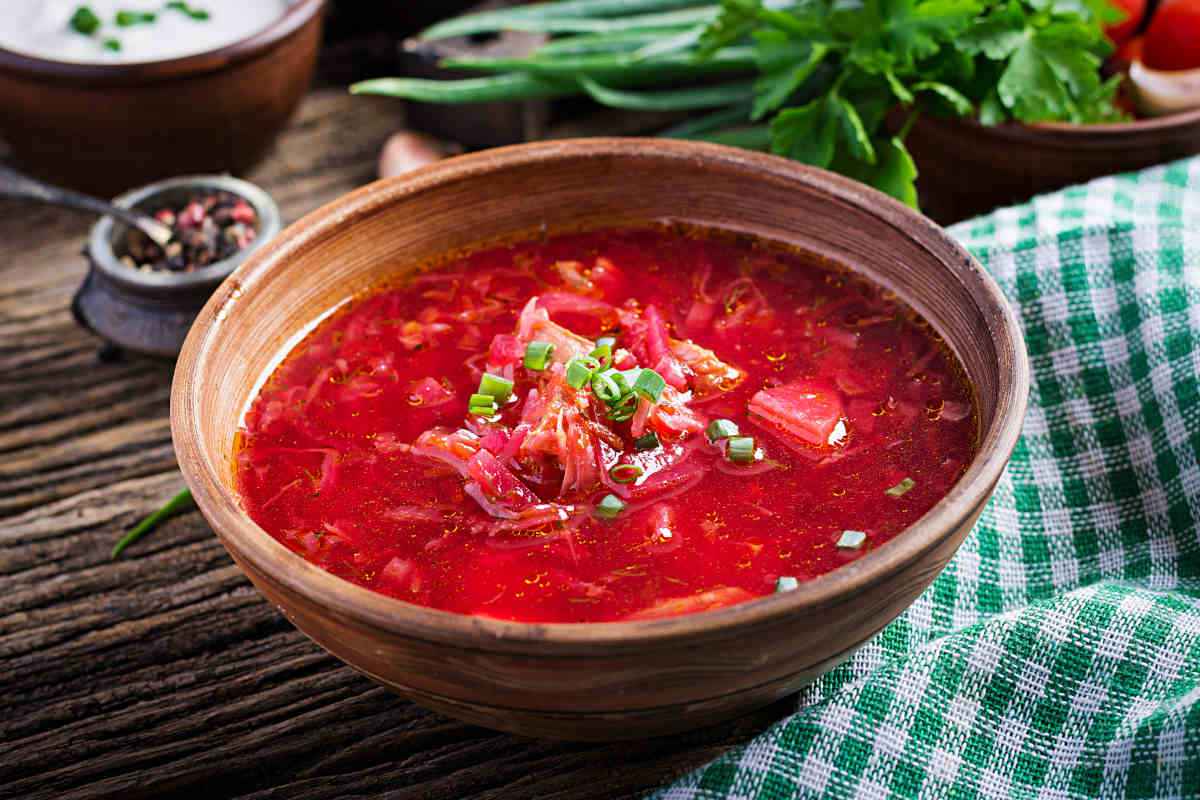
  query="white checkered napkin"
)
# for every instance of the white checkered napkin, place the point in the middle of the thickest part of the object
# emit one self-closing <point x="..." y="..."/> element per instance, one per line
<point x="1058" y="655"/>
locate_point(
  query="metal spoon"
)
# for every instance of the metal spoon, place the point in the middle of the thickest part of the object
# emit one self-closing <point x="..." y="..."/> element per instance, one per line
<point x="22" y="187"/>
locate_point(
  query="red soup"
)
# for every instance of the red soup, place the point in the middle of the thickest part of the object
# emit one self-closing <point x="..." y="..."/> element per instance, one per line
<point x="622" y="424"/>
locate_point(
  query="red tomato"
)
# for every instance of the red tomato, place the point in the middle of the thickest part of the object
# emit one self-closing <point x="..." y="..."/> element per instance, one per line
<point x="1129" y="52"/>
<point x="1134" y="11"/>
<point x="1172" y="42"/>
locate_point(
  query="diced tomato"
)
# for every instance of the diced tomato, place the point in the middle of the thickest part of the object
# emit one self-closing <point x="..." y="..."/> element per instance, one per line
<point x="1133" y="10"/>
<point x="1172" y="42"/>
<point x="505" y="353"/>
<point x="809" y="410"/>
<point x="498" y="482"/>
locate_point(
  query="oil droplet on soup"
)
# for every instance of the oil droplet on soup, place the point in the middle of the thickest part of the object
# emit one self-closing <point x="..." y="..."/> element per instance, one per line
<point x="620" y="424"/>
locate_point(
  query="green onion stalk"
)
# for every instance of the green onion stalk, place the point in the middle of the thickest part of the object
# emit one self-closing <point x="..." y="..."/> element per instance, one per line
<point x="176" y="505"/>
<point x="828" y="83"/>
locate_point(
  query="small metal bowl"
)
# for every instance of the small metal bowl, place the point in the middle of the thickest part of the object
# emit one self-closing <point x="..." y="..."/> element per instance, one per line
<point x="147" y="311"/>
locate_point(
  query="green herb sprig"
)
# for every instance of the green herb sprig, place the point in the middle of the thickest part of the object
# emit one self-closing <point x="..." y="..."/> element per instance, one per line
<point x="177" y="504"/>
<point x="833" y="83"/>
<point x="85" y="21"/>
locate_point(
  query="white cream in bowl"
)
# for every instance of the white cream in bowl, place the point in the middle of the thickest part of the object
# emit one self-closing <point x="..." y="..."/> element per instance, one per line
<point x="42" y="28"/>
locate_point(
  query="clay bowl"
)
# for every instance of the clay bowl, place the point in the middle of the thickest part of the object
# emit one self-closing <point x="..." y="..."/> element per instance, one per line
<point x="968" y="168"/>
<point x="590" y="681"/>
<point x="104" y="128"/>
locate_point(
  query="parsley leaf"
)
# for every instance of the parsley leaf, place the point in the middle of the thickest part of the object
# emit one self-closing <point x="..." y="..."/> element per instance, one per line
<point x="736" y="21"/>
<point x="853" y="132"/>
<point x="807" y="134"/>
<point x="785" y="66"/>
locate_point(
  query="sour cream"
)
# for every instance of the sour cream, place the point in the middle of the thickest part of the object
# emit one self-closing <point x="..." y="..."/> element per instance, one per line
<point x="42" y="28"/>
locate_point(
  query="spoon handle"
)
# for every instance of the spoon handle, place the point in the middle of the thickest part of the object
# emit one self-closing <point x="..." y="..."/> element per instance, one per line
<point x="22" y="187"/>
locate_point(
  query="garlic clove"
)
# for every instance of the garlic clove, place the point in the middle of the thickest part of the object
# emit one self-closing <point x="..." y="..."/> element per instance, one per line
<point x="1157" y="93"/>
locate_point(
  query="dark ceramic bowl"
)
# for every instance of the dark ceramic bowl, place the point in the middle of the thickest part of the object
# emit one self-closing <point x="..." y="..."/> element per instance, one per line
<point x="150" y="312"/>
<point x="103" y="128"/>
<point x="968" y="168"/>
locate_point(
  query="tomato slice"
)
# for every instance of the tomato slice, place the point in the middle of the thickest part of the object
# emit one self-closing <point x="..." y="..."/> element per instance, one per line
<point x="1122" y="31"/>
<point x="1172" y="42"/>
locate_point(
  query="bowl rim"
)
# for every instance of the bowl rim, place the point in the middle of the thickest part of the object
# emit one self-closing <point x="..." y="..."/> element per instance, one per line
<point x="297" y="15"/>
<point x="268" y="557"/>
<point x="100" y="250"/>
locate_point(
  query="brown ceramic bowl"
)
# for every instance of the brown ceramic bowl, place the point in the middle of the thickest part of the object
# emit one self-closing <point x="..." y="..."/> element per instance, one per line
<point x="968" y="168"/>
<point x="612" y="680"/>
<point x="104" y="128"/>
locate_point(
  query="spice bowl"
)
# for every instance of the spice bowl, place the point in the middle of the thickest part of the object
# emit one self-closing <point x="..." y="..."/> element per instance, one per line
<point x="603" y="680"/>
<point x="149" y="311"/>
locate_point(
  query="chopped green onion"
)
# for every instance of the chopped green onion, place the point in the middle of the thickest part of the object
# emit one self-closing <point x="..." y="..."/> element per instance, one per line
<point x="624" y="408"/>
<point x="610" y="506"/>
<point x="647" y="441"/>
<point x="537" y="355"/>
<point x="720" y="429"/>
<point x="112" y="44"/>
<point x="628" y="378"/>
<point x="578" y="373"/>
<point x="603" y="354"/>
<point x="741" y="449"/>
<point x="786" y="583"/>
<point x="625" y="473"/>
<point x="126" y="19"/>
<point x="493" y="88"/>
<point x="902" y="488"/>
<point x="85" y="21"/>
<point x="498" y="387"/>
<point x="851" y="540"/>
<point x="178" y="503"/>
<point x="197" y="14"/>
<point x="649" y="384"/>
<point x="607" y="341"/>
<point x="604" y="387"/>
<point x="482" y="410"/>
<point x="482" y="405"/>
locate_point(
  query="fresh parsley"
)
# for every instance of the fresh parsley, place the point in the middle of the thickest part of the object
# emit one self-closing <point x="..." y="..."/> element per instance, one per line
<point x="835" y="83"/>
<point x="833" y="72"/>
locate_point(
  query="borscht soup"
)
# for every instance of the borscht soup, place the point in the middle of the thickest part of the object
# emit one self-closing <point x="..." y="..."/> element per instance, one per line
<point x="609" y="425"/>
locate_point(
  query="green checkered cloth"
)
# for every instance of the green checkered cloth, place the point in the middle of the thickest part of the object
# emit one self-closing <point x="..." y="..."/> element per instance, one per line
<point x="1058" y="655"/>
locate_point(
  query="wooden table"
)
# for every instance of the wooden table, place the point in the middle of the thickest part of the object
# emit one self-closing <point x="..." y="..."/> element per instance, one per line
<point x="164" y="673"/>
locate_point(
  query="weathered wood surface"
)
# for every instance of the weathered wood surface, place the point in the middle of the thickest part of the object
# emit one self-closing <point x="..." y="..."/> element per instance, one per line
<point x="164" y="674"/>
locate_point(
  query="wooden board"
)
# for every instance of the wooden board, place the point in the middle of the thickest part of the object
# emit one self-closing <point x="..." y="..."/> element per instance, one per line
<point x="165" y="674"/>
